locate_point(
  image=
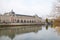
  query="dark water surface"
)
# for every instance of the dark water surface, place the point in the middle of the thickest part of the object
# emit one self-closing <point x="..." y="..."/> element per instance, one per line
<point x="30" y="33"/>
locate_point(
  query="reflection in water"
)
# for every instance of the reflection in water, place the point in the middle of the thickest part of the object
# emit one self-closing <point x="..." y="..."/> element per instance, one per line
<point x="46" y="27"/>
<point x="57" y="28"/>
<point x="19" y="30"/>
<point x="30" y="33"/>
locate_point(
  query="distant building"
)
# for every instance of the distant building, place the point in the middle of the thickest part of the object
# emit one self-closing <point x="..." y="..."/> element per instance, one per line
<point x="55" y="16"/>
<point x="56" y="10"/>
<point x="11" y="17"/>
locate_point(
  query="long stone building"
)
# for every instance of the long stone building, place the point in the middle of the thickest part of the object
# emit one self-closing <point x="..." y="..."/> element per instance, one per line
<point x="11" y="17"/>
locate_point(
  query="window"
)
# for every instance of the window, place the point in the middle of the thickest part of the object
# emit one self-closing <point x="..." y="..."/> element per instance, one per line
<point x="17" y="21"/>
<point x="24" y="21"/>
<point x="21" y="21"/>
<point x="30" y="21"/>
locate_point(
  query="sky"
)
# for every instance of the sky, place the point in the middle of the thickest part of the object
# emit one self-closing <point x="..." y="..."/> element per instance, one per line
<point x="27" y="7"/>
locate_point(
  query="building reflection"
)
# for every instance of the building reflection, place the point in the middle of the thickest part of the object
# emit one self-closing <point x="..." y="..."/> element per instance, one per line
<point x="11" y="32"/>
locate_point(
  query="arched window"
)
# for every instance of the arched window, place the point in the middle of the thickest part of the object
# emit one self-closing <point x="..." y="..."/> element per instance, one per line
<point x="21" y="21"/>
<point x="24" y="21"/>
<point x="17" y="21"/>
<point x="27" y="21"/>
<point x="30" y="21"/>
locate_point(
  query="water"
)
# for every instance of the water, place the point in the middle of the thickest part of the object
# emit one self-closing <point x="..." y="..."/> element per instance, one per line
<point x="30" y="33"/>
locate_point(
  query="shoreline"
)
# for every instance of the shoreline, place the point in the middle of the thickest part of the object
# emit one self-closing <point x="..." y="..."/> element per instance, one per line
<point x="21" y="24"/>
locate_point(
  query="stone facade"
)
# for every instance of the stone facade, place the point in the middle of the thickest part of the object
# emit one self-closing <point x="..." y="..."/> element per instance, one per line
<point x="11" y="17"/>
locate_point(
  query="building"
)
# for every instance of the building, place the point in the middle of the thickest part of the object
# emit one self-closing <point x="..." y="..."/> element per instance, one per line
<point x="56" y="10"/>
<point x="11" y="17"/>
<point x="56" y="13"/>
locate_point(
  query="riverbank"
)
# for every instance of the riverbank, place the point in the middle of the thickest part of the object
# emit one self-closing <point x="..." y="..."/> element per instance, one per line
<point x="20" y="24"/>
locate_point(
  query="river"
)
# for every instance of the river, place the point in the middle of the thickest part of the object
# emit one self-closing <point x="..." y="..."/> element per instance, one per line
<point x="30" y="33"/>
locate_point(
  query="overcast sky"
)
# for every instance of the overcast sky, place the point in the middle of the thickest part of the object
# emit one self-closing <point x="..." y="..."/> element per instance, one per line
<point x="27" y="7"/>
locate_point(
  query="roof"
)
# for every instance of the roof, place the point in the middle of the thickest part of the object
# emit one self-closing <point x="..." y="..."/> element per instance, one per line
<point x="24" y="15"/>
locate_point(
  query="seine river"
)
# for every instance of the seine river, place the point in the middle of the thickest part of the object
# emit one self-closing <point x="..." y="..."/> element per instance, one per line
<point x="30" y="33"/>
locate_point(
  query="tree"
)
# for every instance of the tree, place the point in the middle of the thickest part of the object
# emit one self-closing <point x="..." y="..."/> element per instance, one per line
<point x="46" y="20"/>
